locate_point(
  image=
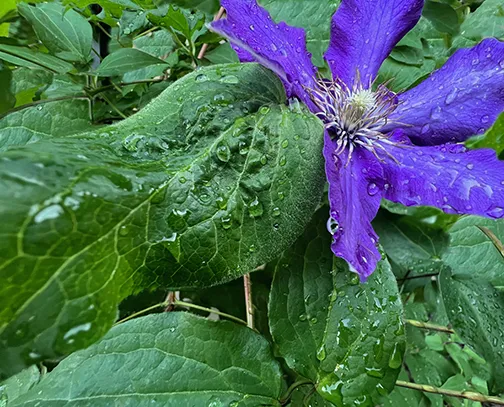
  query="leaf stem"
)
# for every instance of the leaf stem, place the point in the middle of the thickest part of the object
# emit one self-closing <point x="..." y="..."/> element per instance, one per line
<point x="93" y="92"/>
<point x="137" y="314"/>
<point x="426" y="325"/>
<point x="179" y="303"/>
<point x="114" y="107"/>
<point x="495" y="240"/>
<point x="288" y="394"/>
<point x="468" y="395"/>
<point x="249" y="306"/>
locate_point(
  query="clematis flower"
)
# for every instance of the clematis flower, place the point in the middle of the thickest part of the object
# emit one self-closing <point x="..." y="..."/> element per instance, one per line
<point x="404" y="147"/>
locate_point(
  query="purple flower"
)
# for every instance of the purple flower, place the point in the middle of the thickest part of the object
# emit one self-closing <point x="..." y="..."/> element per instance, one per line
<point x="378" y="144"/>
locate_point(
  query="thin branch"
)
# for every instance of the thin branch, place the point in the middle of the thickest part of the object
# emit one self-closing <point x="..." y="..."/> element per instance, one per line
<point x="178" y="303"/>
<point x="249" y="306"/>
<point x="93" y="92"/>
<point x="204" y="48"/>
<point x="406" y="278"/>
<point x="114" y="107"/>
<point x="426" y="325"/>
<point x="468" y="395"/>
<point x="137" y="314"/>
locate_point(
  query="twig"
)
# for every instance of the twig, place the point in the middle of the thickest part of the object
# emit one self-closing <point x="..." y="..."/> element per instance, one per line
<point x="137" y="314"/>
<point x="426" y="325"/>
<point x="469" y="395"/>
<point x="178" y="303"/>
<point x="249" y="306"/>
<point x="114" y="107"/>
<point x="204" y="48"/>
<point x="170" y="301"/>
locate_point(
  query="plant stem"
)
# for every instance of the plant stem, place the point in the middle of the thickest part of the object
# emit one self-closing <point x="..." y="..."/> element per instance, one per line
<point x="136" y="314"/>
<point x="114" y="107"/>
<point x="292" y="387"/>
<point x="204" y="48"/>
<point x="469" y="395"/>
<point x="495" y="240"/>
<point x="426" y="325"/>
<point x="178" y="303"/>
<point x="249" y="306"/>
<point x="93" y="92"/>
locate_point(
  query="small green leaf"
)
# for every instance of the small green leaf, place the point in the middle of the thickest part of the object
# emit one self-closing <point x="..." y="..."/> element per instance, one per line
<point x="198" y="188"/>
<point x="65" y="33"/>
<point x="346" y="337"/>
<point x="313" y="16"/>
<point x="443" y="17"/>
<point x="472" y="253"/>
<point x="222" y="54"/>
<point x="493" y="138"/>
<point x="26" y="57"/>
<point x="475" y="312"/>
<point x="207" y="6"/>
<point x="408" y="55"/>
<point x="126" y="60"/>
<point x="173" y="19"/>
<point x="171" y="359"/>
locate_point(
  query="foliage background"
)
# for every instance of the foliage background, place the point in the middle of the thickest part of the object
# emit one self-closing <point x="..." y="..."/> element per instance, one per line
<point x="109" y="202"/>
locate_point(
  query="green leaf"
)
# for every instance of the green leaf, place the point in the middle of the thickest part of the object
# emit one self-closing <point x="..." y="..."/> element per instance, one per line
<point x="475" y="312"/>
<point x="49" y="120"/>
<point x="198" y="188"/>
<point x="26" y="57"/>
<point x="413" y="247"/>
<point x="7" y="99"/>
<point x="65" y="33"/>
<point x="346" y="337"/>
<point x="127" y="60"/>
<point x="472" y="253"/>
<point x="424" y="372"/>
<point x="173" y="19"/>
<point x="171" y="359"/>
<point x="403" y="76"/>
<point x="408" y="55"/>
<point x="19" y="384"/>
<point x="207" y="6"/>
<point x="401" y="397"/>
<point x="5" y="7"/>
<point x="443" y="17"/>
<point x="486" y="21"/>
<point x="313" y="15"/>
<point x="493" y="138"/>
<point x="222" y="54"/>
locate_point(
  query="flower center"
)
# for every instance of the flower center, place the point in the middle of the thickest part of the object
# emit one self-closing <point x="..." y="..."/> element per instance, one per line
<point x="354" y="115"/>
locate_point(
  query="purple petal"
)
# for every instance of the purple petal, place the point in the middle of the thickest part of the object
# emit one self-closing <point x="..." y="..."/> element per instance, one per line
<point x="243" y="56"/>
<point x="363" y="33"/>
<point x="460" y="100"/>
<point x="355" y="191"/>
<point x="278" y="47"/>
<point x="449" y="177"/>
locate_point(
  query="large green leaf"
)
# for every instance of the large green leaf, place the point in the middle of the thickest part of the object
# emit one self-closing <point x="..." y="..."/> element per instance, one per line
<point x="65" y="33"/>
<point x="49" y="120"/>
<point x="19" y="384"/>
<point x="346" y="337"/>
<point x="198" y="188"/>
<point x="413" y="247"/>
<point x="475" y="312"/>
<point x="312" y="15"/>
<point x="475" y="252"/>
<point x="172" y="359"/>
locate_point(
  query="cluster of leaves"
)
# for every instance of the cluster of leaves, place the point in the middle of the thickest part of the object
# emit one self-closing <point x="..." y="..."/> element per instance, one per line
<point x="131" y="168"/>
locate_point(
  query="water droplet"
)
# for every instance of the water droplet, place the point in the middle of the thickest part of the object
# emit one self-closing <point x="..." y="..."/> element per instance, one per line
<point x="475" y="61"/>
<point x="381" y="390"/>
<point x="223" y="153"/>
<point x="283" y="161"/>
<point x="76" y="330"/>
<point x="182" y="180"/>
<point x="313" y="320"/>
<point x="321" y="353"/>
<point x="332" y="225"/>
<point x="273" y="47"/>
<point x="470" y="166"/>
<point x="374" y="372"/>
<point x="396" y="357"/>
<point x="496" y="212"/>
<point x="252" y="248"/>
<point x="450" y="98"/>
<point x="159" y="196"/>
<point x="485" y="119"/>
<point x="425" y="129"/>
<point x="51" y="212"/>
<point x="221" y="202"/>
<point x="255" y="208"/>
<point x="123" y="230"/>
<point x="303" y="317"/>
<point x="243" y="148"/>
<point x="276" y="212"/>
<point x="226" y="222"/>
<point x="436" y="113"/>
<point x="252" y="28"/>
<point x="373" y="189"/>
<point x="285" y="143"/>
<point x="264" y="159"/>
<point x="229" y="79"/>
<point x="201" y="78"/>
<point x="281" y="195"/>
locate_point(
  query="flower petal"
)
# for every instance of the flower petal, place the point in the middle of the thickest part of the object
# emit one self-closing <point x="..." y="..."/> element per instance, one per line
<point x="363" y="33"/>
<point x="449" y="177"/>
<point x="355" y="192"/>
<point x="461" y="99"/>
<point x="279" y="47"/>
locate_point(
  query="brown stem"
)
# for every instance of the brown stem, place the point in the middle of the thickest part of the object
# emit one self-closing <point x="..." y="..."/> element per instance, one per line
<point x="426" y="325"/>
<point x="249" y="306"/>
<point x="204" y="48"/>
<point x="469" y="395"/>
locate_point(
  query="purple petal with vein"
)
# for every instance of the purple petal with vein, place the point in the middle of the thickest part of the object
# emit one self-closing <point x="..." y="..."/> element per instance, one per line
<point x="461" y="99"/>
<point x="278" y="47"/>
<point x="363" y="33"/>
<point x="355" y="191"/>
<point x="449" y="177"/>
